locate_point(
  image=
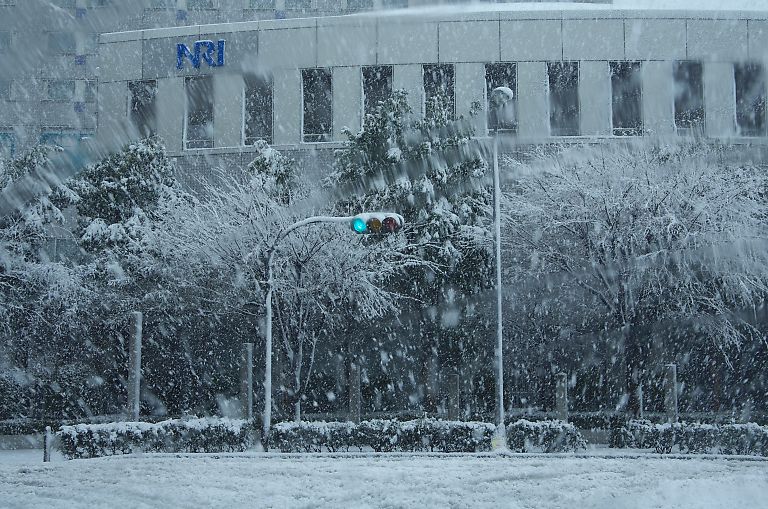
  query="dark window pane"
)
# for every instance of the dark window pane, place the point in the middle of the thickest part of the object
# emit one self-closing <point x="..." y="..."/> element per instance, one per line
<point x="199" y="132"/>
<point x="262" y="4"/>
<point x="750" y="99"/>
<point x="318" y="104"/>
<point x="563" y="98"/>
<point x="61" y="90"/>
<point x="626" y="92"/>
<point x="357" y="5"/>
<point x="200" y="4"/>
<point x="61" y="43"/>
<point x="439" y="91"/>
<point x="377" y="86"/>
<point x="298" y="5"/>
<point x="689" y="97"/>
<point x="501" y="75"/>
<point x="144" y="107"/>
<point x="258" y="109"/>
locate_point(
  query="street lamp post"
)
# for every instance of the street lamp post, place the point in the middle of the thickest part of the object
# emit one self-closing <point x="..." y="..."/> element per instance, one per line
<point x="377" y="222"/>
<point x="501" y="98"/>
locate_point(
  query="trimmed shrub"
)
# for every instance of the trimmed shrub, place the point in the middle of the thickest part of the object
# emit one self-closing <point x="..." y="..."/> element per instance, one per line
<point x="544" y="436"/>
<point x="693" y="438"/>
<point x="175" y="435"/>
<point x="383" y="435"/>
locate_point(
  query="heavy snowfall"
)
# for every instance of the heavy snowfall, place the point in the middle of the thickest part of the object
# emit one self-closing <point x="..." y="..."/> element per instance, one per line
<point x="383" y="253"/>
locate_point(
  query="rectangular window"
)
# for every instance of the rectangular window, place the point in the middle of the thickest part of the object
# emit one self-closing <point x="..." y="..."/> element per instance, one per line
<point x="750" y="99"/>
<point x="7" y="146"/>
<point x="143" y="108"/>
<point x="198" y="132"/>
<point x="627" y="99"/>
<point x="439" y="91"/>
<point x="298" y="5"/>
<point x="5" y="90"/>
<point x="501" y="75"/>
<point x="359" y="5"/>
<point x="90" y="91"/>
<point x="318" y="104"/>
<point x="200" y="4"/>
<point x="262" y="4"/>
<point x="61" y="43"/>
<point x="377" y="86"/>
<point x="258" y="109"/>
<point x="5" y="40"/>
<point x="564" y="118"/>
<point x="61" y="90"/>
<point x="60" y="139"/>
<point x="162" y="4"/>
<point x="689" y="97"/>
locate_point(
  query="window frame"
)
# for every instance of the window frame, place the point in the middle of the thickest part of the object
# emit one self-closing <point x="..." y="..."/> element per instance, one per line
<point x="577" y="80"/>
<point x="424" y="98"/>
<point x="304" y="135"/>
<point x="244" y="138"/>
<point x="363" y="95"/>
<point x="185" y="133"/>
<point x="701" y="125"/>
<point x="738" y="128"/>
<point x="504" y="130"/>
<point x="627" y="132"/>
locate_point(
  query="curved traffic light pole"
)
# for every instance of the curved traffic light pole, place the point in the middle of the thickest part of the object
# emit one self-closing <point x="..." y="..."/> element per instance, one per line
<point x="372" y="222"/>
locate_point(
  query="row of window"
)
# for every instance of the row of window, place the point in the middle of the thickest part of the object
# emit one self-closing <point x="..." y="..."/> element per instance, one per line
<point x="61" y="137"/>
<point x="214" y="4"/>
<point x="439" y="89"/>
<point x="54" y="90"/>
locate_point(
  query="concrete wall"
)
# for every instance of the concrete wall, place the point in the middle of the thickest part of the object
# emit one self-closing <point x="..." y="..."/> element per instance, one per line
<point x="593" y="38"/>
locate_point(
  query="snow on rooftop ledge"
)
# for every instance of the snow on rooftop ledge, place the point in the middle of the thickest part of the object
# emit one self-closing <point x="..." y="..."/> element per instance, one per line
<point x="575" y="5"/>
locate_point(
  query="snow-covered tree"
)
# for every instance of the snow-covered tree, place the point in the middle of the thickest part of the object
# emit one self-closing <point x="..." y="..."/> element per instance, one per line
<point x="221" y="242"/>
<point x="397" y="163"/>
<point x="631" y="239"/>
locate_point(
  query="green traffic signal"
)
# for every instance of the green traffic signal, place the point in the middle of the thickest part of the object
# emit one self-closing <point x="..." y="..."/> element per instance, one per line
<point x="359" y="225"/>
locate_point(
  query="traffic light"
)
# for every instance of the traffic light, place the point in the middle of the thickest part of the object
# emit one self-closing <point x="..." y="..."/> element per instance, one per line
<point x="377" y="223"/>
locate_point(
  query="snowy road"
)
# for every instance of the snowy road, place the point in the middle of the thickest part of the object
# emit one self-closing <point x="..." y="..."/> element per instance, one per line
<point x="259" y="480"/>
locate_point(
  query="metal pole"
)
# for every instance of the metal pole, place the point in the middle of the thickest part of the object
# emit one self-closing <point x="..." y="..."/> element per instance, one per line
<point x="670" y="392"/>
<point x="134" y="365"/>
<point x="267" y="417"/>
<point x="561" y="396"/>
<point x="497" y="227"/>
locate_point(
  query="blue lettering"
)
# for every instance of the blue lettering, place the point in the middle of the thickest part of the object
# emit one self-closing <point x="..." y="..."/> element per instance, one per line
<point x="208" y="49"/>
<point x="220" y="61"/>
<point x="208" y="55"/>
<point x="182" y="51"/>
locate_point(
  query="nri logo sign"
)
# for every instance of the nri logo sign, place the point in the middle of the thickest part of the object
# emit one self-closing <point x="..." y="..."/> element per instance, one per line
<point x="203" y="50"/>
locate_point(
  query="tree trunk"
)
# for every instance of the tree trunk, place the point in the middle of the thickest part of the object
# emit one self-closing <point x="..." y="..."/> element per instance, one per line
<point x="633" y="380"/>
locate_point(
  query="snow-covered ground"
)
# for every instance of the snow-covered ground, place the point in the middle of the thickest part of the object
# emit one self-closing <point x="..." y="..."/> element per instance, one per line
<point x="389" y="480"/>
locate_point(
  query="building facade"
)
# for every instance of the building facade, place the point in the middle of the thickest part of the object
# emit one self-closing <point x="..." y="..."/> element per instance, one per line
<point x="578" y="74"/>
<point x="49" y="71"/>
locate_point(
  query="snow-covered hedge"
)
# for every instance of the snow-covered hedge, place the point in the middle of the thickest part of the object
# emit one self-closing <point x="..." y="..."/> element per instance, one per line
<point x="748" y="439"/>
<point x="544" y="436"/>
<point x="422" y="435"/>
<point x="176" y="435"/>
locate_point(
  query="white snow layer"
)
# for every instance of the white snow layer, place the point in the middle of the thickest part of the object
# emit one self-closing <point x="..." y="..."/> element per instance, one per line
<point x="667" y="5"/>
<point x="389" y="480"/>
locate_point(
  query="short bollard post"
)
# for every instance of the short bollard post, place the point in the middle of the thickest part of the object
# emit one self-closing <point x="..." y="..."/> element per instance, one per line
<point x="47" y="443"/>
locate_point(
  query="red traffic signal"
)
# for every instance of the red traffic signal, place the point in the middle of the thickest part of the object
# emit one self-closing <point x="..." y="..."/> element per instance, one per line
<point x="377" y="223"/>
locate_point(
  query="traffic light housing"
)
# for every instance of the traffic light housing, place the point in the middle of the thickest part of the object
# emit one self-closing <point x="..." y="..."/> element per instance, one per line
<point x="377" y="223"/>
